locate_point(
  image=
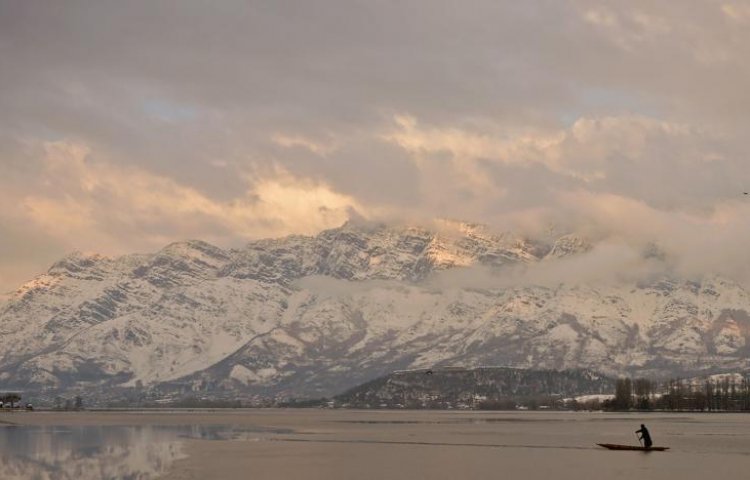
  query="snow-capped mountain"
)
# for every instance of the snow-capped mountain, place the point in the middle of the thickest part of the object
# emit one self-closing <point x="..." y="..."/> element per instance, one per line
<point x="316" y="315"/>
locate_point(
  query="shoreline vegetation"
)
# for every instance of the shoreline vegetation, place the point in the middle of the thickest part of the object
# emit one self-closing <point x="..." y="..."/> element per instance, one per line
<point x="727" y="393"/>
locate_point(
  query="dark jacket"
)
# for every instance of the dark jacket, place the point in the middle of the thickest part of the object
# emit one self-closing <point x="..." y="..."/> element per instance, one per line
<point x="645" y="436"/>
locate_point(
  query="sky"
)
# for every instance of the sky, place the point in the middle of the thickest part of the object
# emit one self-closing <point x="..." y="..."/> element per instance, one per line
<point x="125" y="126"/>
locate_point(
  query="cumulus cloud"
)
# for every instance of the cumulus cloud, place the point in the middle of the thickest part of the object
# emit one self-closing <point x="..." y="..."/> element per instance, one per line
<point x="668" y="165"/>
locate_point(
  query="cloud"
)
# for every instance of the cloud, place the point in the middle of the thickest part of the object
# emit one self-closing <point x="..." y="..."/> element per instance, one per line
<point x="298" y="141"/>
<point x="466" y="147"/>
<point x="609" y="263"/>
<point x="694" y="243"/>
<point x="91" y="203"/>
<point x="333" y="287"/>
<point x="629" y="29"/>
<point x="738" y="12"/>
<point x="129" y="125"/>
<point x="666" y="164"/>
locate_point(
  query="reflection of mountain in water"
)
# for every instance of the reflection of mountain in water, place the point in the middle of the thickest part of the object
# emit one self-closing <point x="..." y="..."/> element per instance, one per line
<point x="82" y="453"/>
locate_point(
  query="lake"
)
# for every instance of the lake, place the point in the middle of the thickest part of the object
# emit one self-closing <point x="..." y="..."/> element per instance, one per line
<point x="341" y="444"/>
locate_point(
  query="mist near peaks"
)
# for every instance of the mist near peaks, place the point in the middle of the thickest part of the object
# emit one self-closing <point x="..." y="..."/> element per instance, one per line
<point x="606" y="265"/>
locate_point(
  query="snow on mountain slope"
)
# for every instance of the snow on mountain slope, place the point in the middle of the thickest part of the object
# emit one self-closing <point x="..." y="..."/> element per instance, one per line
<point x="315" y="315"/>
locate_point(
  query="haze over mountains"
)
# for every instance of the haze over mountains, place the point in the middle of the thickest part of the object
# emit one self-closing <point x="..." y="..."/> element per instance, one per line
<point x="315" y="315"/>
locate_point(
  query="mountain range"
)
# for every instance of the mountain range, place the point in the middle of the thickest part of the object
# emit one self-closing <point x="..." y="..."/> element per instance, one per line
<point x="313" y="316"/>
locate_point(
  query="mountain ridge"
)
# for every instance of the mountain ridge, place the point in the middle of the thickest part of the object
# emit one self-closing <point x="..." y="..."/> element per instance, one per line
<point x="314" y="315"/>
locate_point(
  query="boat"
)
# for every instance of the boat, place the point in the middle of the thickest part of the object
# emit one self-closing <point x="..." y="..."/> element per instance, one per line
<point x="614" y="446"/>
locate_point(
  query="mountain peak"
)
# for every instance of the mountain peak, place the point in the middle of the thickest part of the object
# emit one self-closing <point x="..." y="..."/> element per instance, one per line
<point x="76" y="262"/>
<point x="195" y="249"/>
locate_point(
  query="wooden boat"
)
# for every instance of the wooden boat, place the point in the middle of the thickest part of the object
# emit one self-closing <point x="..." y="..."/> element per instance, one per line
<point x="614" y="446"/>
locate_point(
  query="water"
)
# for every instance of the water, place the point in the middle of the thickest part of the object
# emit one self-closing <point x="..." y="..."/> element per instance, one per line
<point x="105" y="452"/>
<point x="312" y="444"/>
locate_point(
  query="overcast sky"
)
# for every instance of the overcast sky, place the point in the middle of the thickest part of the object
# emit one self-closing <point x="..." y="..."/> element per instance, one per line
<point x="126" y="125"/>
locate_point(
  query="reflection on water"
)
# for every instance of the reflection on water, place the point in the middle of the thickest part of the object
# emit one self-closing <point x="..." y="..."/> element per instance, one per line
<point x="102" y="452"/>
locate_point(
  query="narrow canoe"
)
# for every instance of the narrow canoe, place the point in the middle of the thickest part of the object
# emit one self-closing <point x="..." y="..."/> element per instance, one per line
<point x="614" y="446"/>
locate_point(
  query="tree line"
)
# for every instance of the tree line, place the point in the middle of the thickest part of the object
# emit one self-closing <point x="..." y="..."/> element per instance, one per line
<point x="68" y="404"/>
<point x="10" y="399"/>
<point x="725" y="394"/>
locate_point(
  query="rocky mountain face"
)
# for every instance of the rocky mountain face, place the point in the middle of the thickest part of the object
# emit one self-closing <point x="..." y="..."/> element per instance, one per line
<point x="313" y="316"/>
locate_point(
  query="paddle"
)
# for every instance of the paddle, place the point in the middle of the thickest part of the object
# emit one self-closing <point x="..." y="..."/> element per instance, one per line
<point x="639" y="439"/>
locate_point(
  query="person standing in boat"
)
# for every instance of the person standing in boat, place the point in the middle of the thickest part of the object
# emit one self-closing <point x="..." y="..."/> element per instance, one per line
<point x="645" y="436"/>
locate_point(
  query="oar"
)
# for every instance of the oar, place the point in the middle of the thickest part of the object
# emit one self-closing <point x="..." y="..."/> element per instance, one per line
<point x="639" y="439"/>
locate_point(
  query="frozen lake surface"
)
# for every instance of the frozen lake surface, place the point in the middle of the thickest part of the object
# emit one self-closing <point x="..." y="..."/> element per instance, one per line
<point x="325" y="444"/>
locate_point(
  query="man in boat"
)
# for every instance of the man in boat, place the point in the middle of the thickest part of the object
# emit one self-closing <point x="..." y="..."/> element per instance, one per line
<point x="645" y="436"/>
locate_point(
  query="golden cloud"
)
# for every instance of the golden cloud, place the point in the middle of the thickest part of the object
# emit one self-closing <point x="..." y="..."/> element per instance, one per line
<point x="98" y="205"/>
